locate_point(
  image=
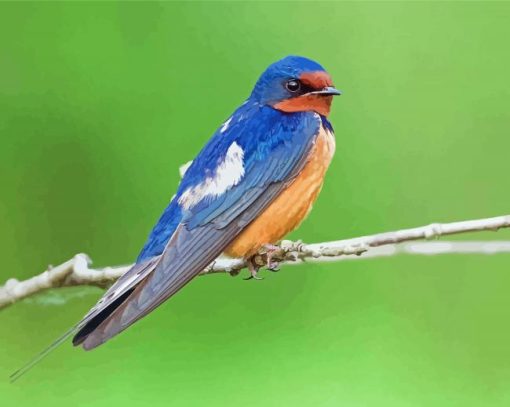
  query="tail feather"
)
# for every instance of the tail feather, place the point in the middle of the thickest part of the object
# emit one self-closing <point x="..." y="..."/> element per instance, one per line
<point x="91" y="325"/>
<point x="111" y="300"/>
<point x="21" y="371"/>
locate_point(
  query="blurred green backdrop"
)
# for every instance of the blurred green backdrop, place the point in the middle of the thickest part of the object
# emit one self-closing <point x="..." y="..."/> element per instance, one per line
<point x="101" y="103"/>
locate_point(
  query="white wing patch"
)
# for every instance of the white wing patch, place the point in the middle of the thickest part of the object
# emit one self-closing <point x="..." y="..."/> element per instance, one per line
<point x="228" y="173"/>
<point x="184" y="167"/>
<point x="225" y="125"/>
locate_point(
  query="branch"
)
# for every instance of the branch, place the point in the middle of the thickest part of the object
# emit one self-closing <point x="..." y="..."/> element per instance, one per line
<point x="77" y="271"/>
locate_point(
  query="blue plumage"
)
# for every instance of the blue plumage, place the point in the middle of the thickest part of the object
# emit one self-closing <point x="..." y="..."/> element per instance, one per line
<point x="267" y="90"/>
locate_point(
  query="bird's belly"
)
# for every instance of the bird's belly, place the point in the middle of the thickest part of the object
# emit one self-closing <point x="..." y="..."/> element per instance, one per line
<point x="292" y="206"/>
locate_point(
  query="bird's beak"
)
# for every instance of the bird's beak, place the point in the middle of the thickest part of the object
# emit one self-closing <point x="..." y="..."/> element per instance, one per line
<point x="327" y="91"/>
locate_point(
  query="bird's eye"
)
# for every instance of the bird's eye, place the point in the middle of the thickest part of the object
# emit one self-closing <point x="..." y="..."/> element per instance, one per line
<point x="293" y="85"/>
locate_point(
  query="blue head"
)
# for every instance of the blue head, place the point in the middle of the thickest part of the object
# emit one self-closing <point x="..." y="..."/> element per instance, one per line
<point x="295" y="84"/>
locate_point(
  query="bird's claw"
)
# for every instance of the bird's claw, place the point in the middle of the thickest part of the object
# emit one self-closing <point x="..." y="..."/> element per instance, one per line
<point x="253" y="268"/>
<point x="273" y="267"/>
<point x="253" y="276"/>
<point x="270" y="264"/>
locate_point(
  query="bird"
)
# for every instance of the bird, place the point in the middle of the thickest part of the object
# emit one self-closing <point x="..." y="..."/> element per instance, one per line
<point x="254" y="181"/>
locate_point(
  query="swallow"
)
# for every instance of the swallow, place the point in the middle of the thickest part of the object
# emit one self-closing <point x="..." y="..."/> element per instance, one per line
<point x="252" y="183"/>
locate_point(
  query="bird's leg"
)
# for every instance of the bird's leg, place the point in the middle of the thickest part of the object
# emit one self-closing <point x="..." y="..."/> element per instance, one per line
<point x="271" y="249"/>
<point x="253" y="268"/>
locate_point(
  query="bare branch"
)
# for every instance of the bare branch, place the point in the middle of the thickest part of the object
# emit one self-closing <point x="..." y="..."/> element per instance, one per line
<point x="77" y="271"/>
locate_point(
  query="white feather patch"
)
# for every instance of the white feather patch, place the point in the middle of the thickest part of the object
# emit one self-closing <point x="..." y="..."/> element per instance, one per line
<point x="184" y="167"/>
<point x="225" y="125"/>
<point x="228" y="173"/>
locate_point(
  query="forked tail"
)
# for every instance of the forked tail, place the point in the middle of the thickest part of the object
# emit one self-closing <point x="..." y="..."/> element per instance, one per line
<point x="21" y="371"/>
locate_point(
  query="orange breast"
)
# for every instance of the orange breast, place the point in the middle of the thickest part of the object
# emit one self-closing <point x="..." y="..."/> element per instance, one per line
<point x="292" y="206"/>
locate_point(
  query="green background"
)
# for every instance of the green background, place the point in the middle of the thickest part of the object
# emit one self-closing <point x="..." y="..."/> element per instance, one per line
<point x="101" y="103"/>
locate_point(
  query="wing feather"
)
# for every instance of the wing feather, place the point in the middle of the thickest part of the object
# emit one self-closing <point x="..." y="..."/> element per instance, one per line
<point x="272" y="162"/>
<point x="187" y="254"/>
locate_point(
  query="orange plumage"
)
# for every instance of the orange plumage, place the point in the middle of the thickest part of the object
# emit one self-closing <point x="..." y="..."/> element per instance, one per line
<point x="292" y="206"/>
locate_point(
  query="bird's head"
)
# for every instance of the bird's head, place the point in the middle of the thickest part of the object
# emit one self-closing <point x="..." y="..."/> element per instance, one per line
<point x="295" y="84"/>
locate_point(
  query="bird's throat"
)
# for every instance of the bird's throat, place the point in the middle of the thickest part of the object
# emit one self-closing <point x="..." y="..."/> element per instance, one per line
<point x="317" y="103"/>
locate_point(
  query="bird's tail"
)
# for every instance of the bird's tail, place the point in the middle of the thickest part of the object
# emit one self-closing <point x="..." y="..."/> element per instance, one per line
<point x="111" y="300"/>
<point x="36" y="359"/>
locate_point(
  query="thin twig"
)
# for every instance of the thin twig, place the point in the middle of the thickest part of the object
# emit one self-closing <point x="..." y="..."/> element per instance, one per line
<point x="77" y="271"/>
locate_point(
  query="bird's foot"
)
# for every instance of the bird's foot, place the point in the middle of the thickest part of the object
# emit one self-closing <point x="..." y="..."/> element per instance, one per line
<point x="253" y="268"/>
<point x="271" y="265"/>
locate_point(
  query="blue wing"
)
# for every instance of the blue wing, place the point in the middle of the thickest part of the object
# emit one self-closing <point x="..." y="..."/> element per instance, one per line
<point x="259" y="131"/>
<point x="188" y="237"/>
